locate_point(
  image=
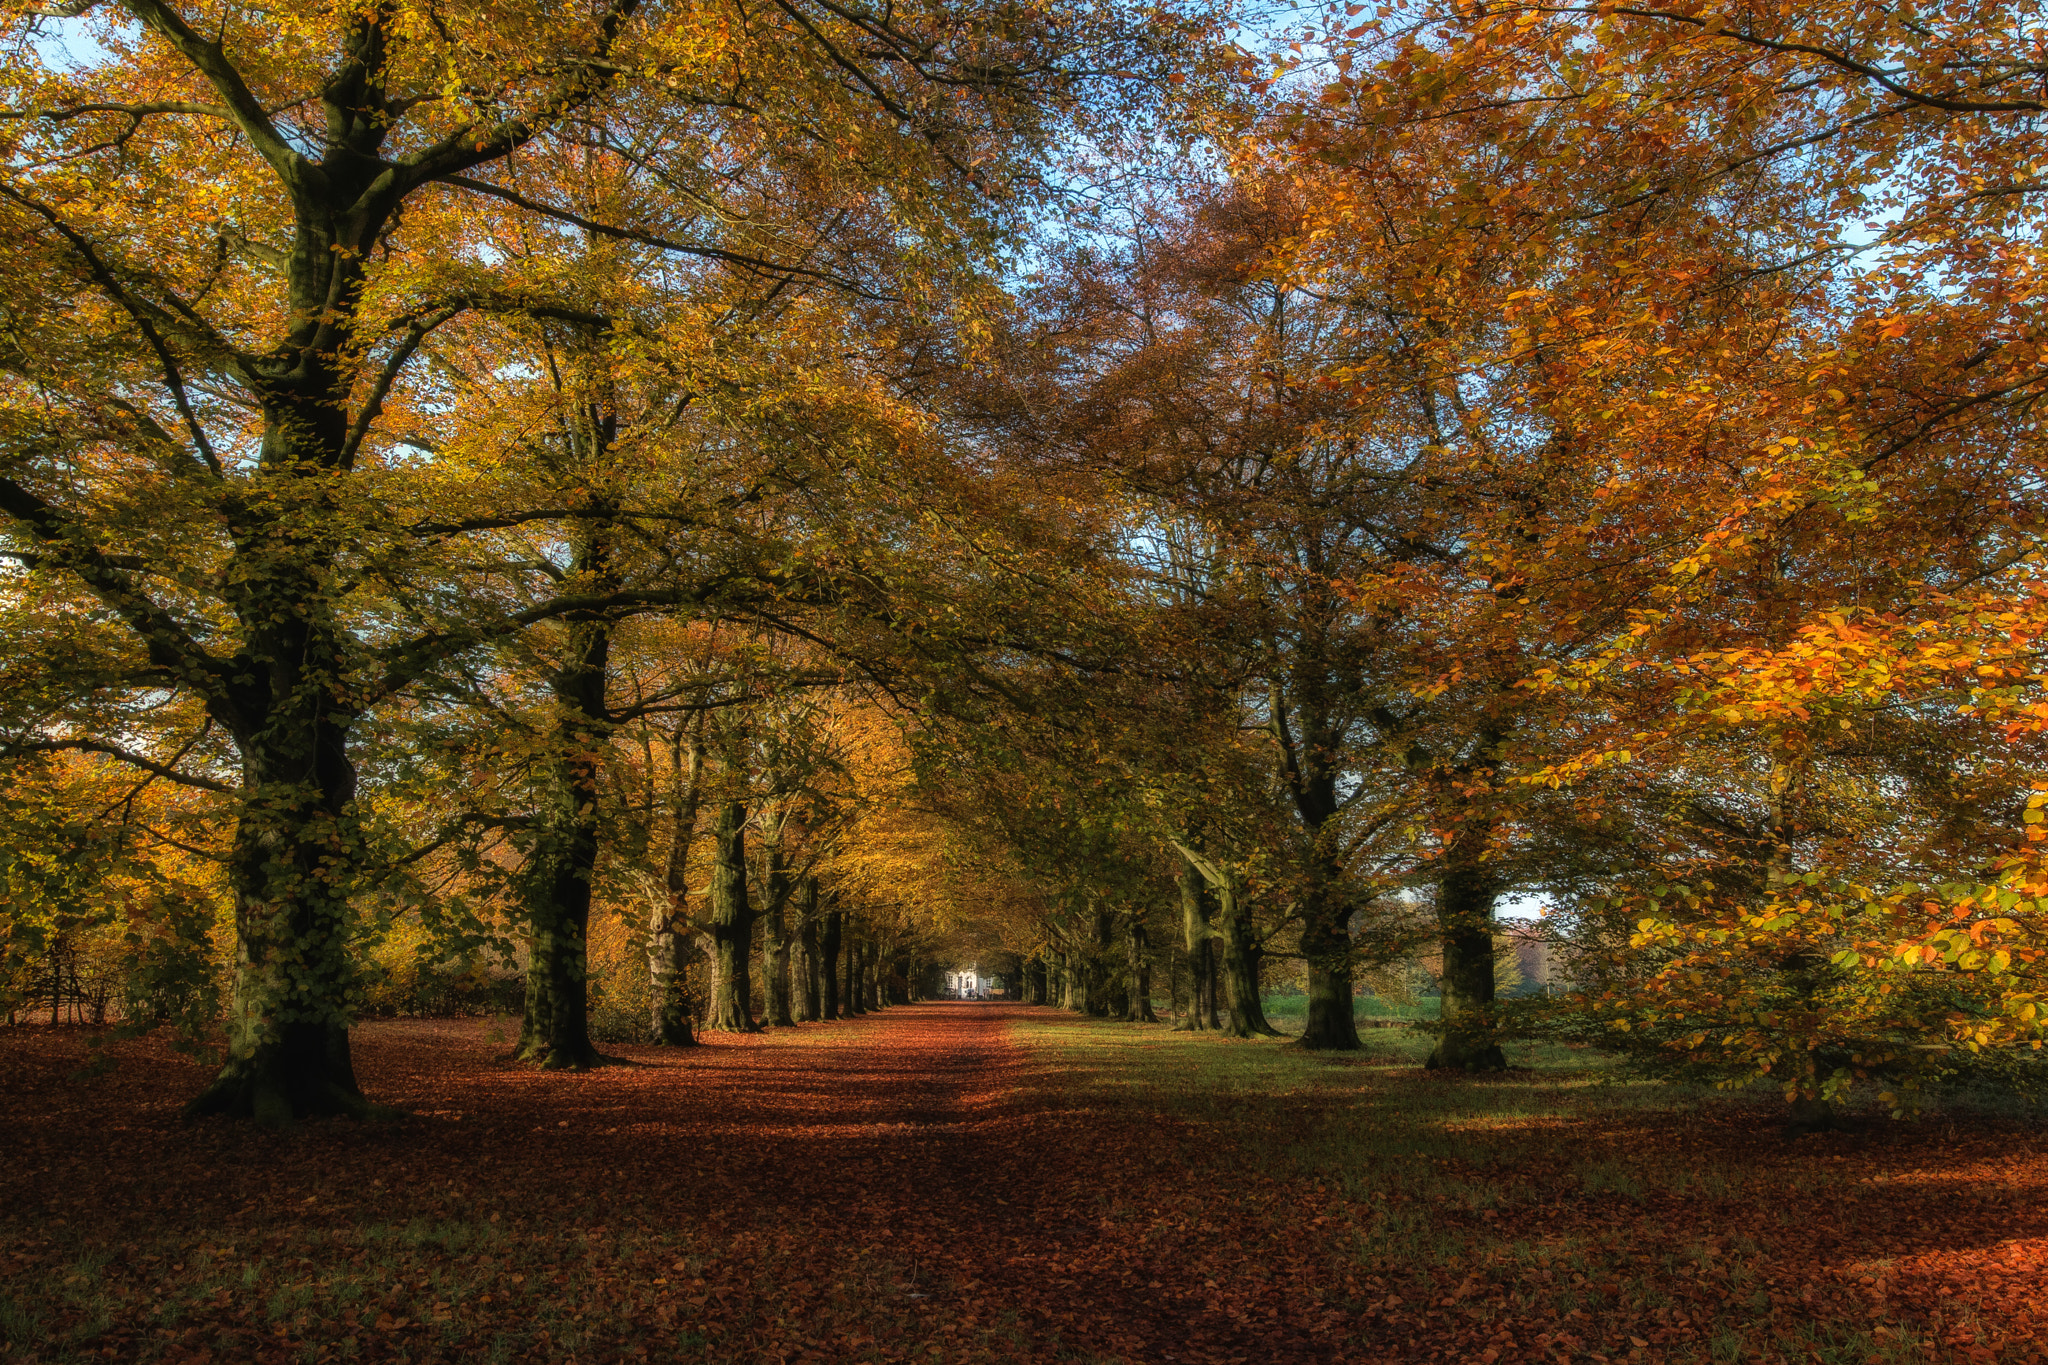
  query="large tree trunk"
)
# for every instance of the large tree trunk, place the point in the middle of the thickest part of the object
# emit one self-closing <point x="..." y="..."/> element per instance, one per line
<point x="1465" y="897"/>
<point x="287" y="1033"/>
<point x="805" y="1003"/>
<point x="1332" y="1023"/>
<point x="828" y="965"/>
<point x="1245" y="1013"/>
<point x="556" y="1029"/>
<point x="297" y="837"/>
<point x="732" y="925"/>
<point x="285" y="694"/>
<point x="1309" y="767"/>
<point x="1073" y="987"/>
<point x="669" y="950"/>
<point x="1199" y="936"/>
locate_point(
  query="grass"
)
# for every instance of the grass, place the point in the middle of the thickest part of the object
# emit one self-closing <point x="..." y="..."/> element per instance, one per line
<point x="1291" y="1009"/>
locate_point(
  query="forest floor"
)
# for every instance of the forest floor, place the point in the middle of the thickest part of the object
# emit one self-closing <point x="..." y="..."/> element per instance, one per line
<point x="964" y="1183"/>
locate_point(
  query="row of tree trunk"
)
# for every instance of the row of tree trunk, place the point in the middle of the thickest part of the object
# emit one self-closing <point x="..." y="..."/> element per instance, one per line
<point x="815" y="961"/>
<point x="1108" y="976"/>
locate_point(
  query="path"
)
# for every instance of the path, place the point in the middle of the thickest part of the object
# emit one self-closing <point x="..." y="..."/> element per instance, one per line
<point x="899" y="1186"/>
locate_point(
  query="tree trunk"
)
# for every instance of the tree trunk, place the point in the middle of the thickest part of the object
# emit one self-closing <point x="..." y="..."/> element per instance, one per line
<point x="1137" y="989"/>
<point x="805" y="1002"/>
<point x="1197" y="937"/>
<point x="1245" y="1013"/>
<point x="289" y="872"/>
<point x="775" y="945"/>
<point x="556" y="1029"/>
<point x="669" y="950"/>
<point x="828" y="965"/>
<point x="732" y="925"/>
<point x="1465" y="896"/>
<point x="855" y="1002"/>
<point x="1332" y="1023"/>
<point x="871" y="975"/>
<point x="1100" y="990"/>
<point x="1073" y="984"/>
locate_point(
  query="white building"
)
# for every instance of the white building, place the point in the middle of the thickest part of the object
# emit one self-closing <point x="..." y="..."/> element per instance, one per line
<point x="964" y="985"/>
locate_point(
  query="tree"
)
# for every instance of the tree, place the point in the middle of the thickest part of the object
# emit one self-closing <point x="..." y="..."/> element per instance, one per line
<point x="1806" y="453"/>
<point x="253" y="223"/>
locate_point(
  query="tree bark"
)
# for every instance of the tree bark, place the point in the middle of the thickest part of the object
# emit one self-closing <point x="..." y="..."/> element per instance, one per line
<point x="1332" y="1022"/>
<point x="854" y="1001"/>
<point x="828" y="966"/>
<point x="669" y="950"/>
<point x="284" y="696"/>
<point x="871" y="975"/>
<point x="1308" y="766"/>
<point x="1245" y="1014"/>
<point x="806" y="1005"/>
<point x="288" y="1053"/>
<point x="1465" y="897"/>
<point x="1073" y="984"/>
<point x="732" y="925"/>
<point x="556" y="1029"/>
<point x="1199" y="941"/>
<point x="775" y="945"/>
<point x="1098" y="1002"/>
<point x="1137" y="972"/>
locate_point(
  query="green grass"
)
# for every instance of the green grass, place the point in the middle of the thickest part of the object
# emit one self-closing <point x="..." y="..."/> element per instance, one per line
<point x="1287" y="1010"/>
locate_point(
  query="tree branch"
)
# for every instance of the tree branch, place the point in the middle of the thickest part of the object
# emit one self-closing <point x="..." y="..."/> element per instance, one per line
<point x="93" y="746"/>
<point x="210" y="60"/>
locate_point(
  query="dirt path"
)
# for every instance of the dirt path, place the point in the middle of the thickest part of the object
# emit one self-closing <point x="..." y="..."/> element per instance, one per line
<point x="901" y="1186"/>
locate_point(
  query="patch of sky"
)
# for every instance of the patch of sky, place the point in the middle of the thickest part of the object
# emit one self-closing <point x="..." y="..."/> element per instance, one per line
<point x="73" y="43"/>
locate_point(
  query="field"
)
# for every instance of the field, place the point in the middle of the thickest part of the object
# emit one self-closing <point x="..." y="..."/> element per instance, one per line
<point x="967" y="1183"/>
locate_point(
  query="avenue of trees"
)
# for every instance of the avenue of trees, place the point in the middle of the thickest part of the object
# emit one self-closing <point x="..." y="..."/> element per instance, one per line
<point x="706" y="515"/>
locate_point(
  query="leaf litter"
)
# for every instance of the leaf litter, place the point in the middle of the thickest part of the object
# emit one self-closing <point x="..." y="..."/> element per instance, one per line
<point x="960" y="1183"/>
